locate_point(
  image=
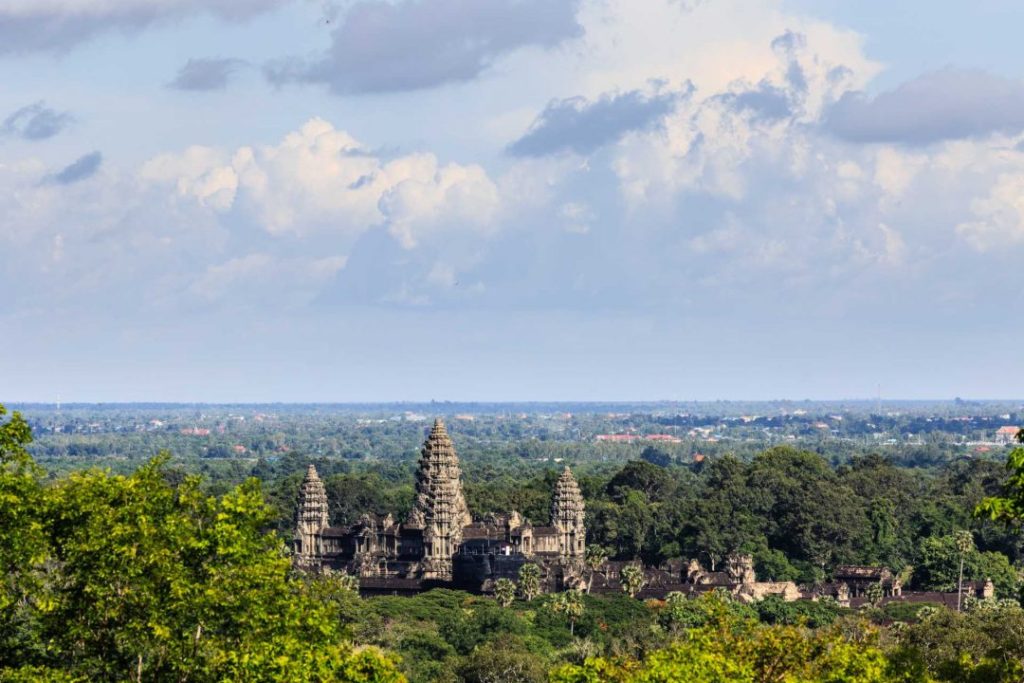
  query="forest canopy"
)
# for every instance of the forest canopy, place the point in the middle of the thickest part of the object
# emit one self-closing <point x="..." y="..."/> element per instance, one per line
<point x="163" y="574"/>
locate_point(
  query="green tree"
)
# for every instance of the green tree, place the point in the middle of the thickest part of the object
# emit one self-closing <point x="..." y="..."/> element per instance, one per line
<point x="505" y="592"/>
<point x="507" y="659"/>
<point x="570" y="604"/>
<point x="874" y="594"/>
<point x="1009" y="508"/>
<point x="594" y="557"/>
<point x="529" y="581"/>
<point x="976" y="646"/>
<point x="723" y="518"/>
<point x="633" y="579"/>
<point x="964" y="542"/>
<point x="731" y="649"/>
<point x="23" y="544"/>
<point x="152" y="581"/>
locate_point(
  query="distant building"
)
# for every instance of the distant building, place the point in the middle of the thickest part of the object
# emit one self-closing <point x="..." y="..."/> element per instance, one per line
<point x="1007" y="434"/>
<point x="630" y="438"/>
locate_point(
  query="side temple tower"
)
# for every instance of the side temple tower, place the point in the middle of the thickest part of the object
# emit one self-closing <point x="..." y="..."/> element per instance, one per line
<point x="311" y="518"/>
<point x="567" y="516"/>
<point x="440" y="507"/>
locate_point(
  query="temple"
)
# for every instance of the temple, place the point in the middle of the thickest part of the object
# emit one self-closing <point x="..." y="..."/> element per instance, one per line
<point x="440" y="543"/>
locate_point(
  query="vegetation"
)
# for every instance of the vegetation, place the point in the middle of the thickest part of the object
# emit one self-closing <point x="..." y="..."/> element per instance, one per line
<point x="155" y="573"/>
<point x="143" y="577"/>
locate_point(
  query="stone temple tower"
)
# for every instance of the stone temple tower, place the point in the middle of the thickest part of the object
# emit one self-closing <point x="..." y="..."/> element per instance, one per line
<point x="440" y="506"/>
<point x="567" y="516"/>
<point x="311" y="517"/>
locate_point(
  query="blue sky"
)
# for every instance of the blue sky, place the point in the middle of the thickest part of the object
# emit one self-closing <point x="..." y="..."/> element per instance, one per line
<point x="304" y="200"/>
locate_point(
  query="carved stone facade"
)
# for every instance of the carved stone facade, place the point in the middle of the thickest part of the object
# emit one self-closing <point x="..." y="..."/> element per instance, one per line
<point x="311" y="516"/>
<point x="440" y="505"/>
<point x="440" y="543"/>
<point x="567" y="516"/>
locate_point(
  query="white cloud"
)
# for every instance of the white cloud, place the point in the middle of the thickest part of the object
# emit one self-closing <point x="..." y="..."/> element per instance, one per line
<point x="734" y="196"/>
<point x="260" y="224"/>
<point x="999" y="216"/>
<point x="432" y="200"/>
<point x="320" y="180"/>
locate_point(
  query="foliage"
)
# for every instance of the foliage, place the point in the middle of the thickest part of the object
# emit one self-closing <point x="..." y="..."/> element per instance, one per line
<point x="529" y="581"/>
<point x="1009" y="507"/>
<point x="774" y="610"/>
<point x="23" y="544"/>
<point x="939" y="566"/>
<point x="633" y="579"/>
<point x="594" y="558"/>
<point x="138" y="578"/>
<point x="183" y="574"/>
<point x="732" y="648"/>
<point x="570" y="604"/>
<point x="505" y="660"/>
<point x="978" y="646"/>
<point x="681" y="613"/>
<point x="505" y="592"/>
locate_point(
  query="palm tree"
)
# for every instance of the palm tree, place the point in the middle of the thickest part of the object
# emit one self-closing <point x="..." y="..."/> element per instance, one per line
<point x="964" y="544"/>
<point x="594" y="558"/>
<point x="529" y="581"/>
<point x="569" y="603"/>
<point x="504" y="592"/>
<point x="633" y="579"/>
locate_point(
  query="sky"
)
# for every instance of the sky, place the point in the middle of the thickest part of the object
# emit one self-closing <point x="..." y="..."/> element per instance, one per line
<point x="378" y="200"/>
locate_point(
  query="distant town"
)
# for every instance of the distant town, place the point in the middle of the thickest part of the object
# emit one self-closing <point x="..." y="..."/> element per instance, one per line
<point x="921" y="432"/>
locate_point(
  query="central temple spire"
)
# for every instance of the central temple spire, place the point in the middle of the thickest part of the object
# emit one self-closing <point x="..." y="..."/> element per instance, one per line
<point x="440" y="506"/>
<point x="568" y="515"/>
<point x="311" y="517"/>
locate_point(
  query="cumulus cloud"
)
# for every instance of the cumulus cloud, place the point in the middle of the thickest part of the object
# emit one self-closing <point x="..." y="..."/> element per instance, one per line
<point x="36" y="122"/>
<point x="580" y="126"/>
<point x="31" y="25"/>
<point x="206" y="74"/>
<point x="82" y="168"/>
<point x="384" y="46"/>
<point x="999" y="216"/>
<point x="252" y="226"/>
<point x="320" y="180"/>
<point x="730" y="194"/>
<point x="942" y="105"/>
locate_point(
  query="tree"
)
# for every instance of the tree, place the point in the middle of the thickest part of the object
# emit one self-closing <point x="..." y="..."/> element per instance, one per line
<point x="737" y="649"/>
<point x="505" y="592"/>
<point x="1008" y="508"/>
<point x="147" y="580"/>
<point x="529" y="581"/>
<point x="633" y="579"/>
<point x="594" y="557"/>
<point x="652" y="481"/>
<point x="939" y="567"/>
<point x="974" y="646"/>
<point x="507" y="659"/>
<point x="569" y="603"/>
<point x="722" y="518"/>
<point x="874" y="594"/>
<point x="964" y="545"/>
<point x="23" y="545"/>
<point x="656" y="456"/>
